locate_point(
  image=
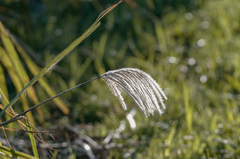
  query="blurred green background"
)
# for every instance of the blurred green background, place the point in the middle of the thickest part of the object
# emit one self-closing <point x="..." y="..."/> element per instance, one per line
<point x="191" y="48"/>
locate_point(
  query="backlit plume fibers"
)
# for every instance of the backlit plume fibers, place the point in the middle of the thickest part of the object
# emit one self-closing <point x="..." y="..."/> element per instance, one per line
<point x="140" y="86"/>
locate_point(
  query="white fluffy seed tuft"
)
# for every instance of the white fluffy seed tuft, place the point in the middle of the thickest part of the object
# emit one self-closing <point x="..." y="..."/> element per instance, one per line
<point x="140" y="86"/>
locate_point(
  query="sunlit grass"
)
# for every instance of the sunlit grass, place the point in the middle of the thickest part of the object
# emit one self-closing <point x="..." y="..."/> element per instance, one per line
<point x="193" y="53"/>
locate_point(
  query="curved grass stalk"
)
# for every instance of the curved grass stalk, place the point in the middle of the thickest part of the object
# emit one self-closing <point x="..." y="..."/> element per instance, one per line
<point x="140" y="86"/>
<point x="61" y="55"/>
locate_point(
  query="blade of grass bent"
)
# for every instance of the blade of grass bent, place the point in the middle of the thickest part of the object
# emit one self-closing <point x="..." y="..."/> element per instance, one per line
<point x="17" y="117"/>
<point x="51" y="64"/>
<point x="5" y="59"/>
<point x="1" y="155"/>
<point x="10" y="152"/>
<point x="61" y="55"/>
<point x="34" y="70"/>
<point x="43" y="82"/>
<point x="18" y="66"/>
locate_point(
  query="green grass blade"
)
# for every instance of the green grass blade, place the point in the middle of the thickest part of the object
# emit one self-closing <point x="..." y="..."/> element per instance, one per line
<point x="6" y="61"/>
<point x="61" y="55"/>
<point x="99" y="49"/>
<point x="161" y="38"/>
<point x="12" y="153"/>
<point x="170" y="138"/>
<point x="188" y="108"/>
<point x="4" y="96"/>
<point x="32" y="139"/>
<point x="17" y="66"/>
<point x="228" y="111"/>
<point x="58" y="58"/>
<point x="34" y="70"/>
<point x="3" y="156"/>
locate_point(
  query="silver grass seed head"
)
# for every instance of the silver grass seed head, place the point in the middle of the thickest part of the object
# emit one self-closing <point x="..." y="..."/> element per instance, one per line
<point x="139" y="85"/>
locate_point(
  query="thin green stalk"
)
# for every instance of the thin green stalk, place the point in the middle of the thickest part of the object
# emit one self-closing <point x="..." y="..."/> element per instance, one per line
<point x="14" y="154"/>
<point x="52" y="64"/>
<point x="19" y="116"/>
<point x="61" y="55"/>
<point x="32" y="139"/>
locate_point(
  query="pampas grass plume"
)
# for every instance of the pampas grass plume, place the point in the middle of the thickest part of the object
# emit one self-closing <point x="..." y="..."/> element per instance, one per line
<point x="140" y="86"/>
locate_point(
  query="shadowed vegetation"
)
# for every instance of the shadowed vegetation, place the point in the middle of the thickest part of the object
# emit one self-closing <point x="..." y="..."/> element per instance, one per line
<point x="191" y="48"/>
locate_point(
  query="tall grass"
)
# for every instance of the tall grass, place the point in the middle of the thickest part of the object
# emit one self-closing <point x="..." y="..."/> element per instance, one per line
<point x="16" y="71"/>
<point x="192" y="47"/>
